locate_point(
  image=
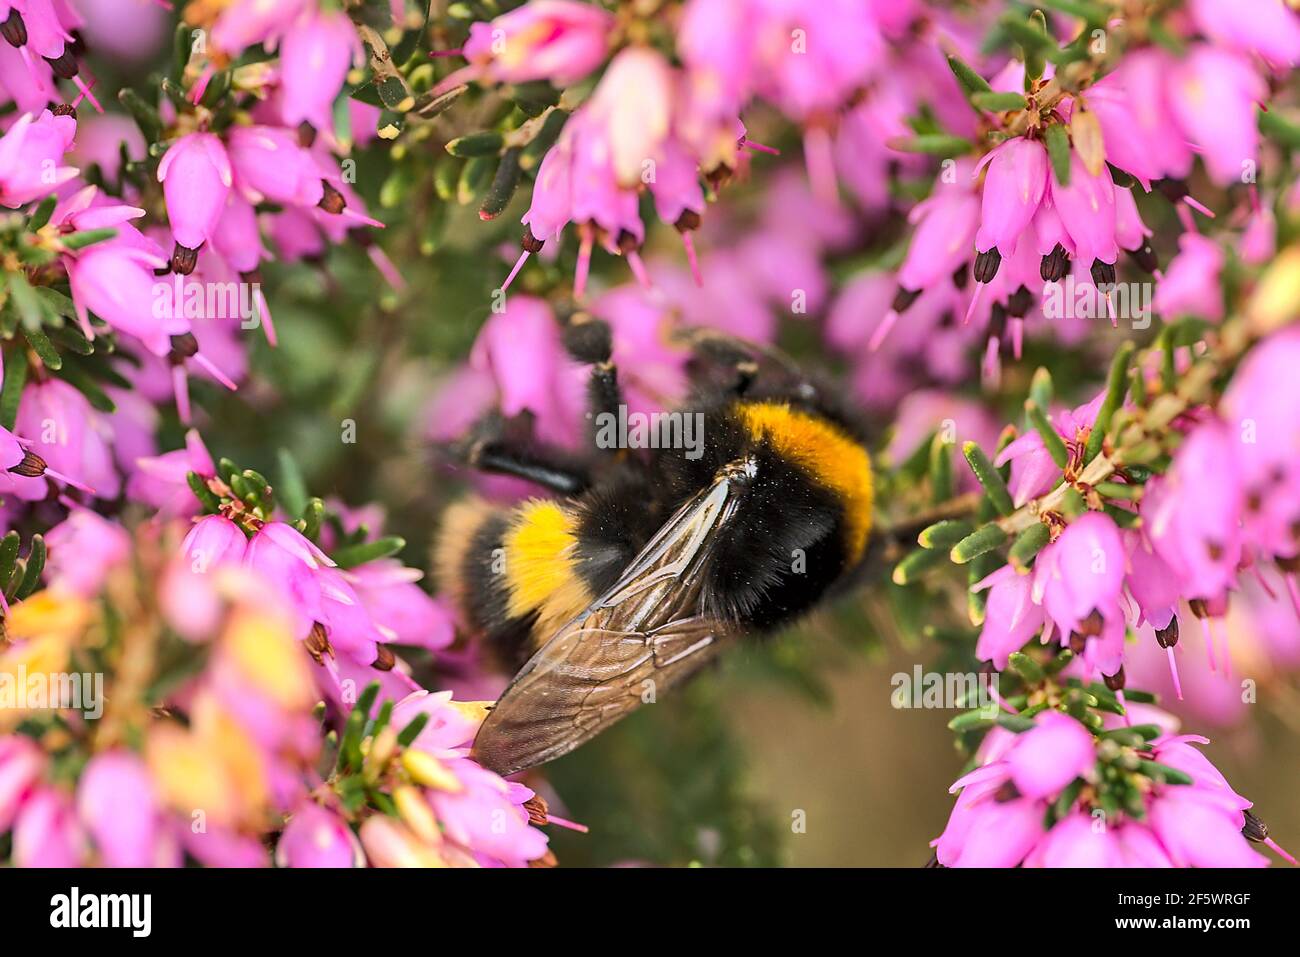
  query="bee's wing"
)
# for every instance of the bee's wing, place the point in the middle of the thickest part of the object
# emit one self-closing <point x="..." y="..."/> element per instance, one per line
<point x="645" y="628"/>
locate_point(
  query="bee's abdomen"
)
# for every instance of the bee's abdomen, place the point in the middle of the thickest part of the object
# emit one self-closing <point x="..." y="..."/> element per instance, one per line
<point x="513" y="572"/>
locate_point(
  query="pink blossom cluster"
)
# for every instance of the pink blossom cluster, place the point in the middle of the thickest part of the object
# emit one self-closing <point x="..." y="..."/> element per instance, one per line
<point x="1000" y="818"/>
<point x="1227" y="509"/>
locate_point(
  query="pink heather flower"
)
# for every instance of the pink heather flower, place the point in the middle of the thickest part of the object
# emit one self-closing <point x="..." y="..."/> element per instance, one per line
<point x="1125" y="141"/>
<point x="314" y="61"/>
<point x="60" y="426"/>
<point x="557" y="40"/>
<point x="90" y="208"/>
<point x="196" y="177"/>
<point x="116" y="281"/>
<point x="1013" y="188"/>
<point x="213" y="542"/>
<point x="486" y="816"/>
<point x="1190" y="284"/>
<point x="270" y="164"/>
<point x="46" y="832"/>
<point x="1044" y="759"/>
<point x="1271" y="30"/>
<point x="1199" y="829"/>
<point x="1155" y="586"/>
<point x="1259" y="238"/>
<point x="1087" y="210"/>
<point x="161" y="481"/>
<point x="280" y="555"/>
<point x="128" y="30"/>
<point x="1074" y="841"/>
<point x="224" y="847"/>
<point x="448" y="731"/>
<point x="314" y="589"/>
<point x="1259" y="409"/>
<point x="843" y="47"/>
<point x="1193" y="512"/>
<point x="245" y="23"/>
<point x="1032" y="470"/>
<point x="946" y="225"/>
<point x="83" y="549"/>
<point x="30" y="155"/>
<point x="655" y="375"/>
<point x="983" y="831"/>
<point x="629" y="116"/>
<point x="317" y="837"/>
<point x="22" y="762"/>
<point x="117" y="805"/>
<point x="715" y="41"/>
<point x="521" y="349"/>
<point x="1150" y="127"/>
<point x="1213" y="93"/>
<point x="236" y="237"/>
<point x="402" y="611"/>
<point x="1011" y="617"/>
<point x="1082" y="572"/>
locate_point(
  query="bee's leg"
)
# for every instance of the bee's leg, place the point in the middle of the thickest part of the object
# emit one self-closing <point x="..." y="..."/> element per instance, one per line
<point x="589" y="341"/>
<point x="502" y="448"/>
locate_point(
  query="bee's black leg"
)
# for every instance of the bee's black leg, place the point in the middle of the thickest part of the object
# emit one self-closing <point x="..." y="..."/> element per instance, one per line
<point x="589" y="341"/>
<point x="502" y="448"/>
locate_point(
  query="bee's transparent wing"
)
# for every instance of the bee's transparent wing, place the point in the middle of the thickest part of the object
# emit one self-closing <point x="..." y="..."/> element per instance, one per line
<point x="636" y="640"/>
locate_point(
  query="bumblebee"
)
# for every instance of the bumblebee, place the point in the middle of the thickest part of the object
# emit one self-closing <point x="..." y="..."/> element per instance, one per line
<point x="648" y="563"/>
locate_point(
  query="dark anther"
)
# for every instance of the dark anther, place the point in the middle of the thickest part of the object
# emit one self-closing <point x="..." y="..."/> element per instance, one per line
<point x="332" y="201"/>
<point x="1077" y="643"/>
<point x="184" y="259"/>
<point x="1254" y="829"/>
<point x="1174" y="190"/>
<point x="537" y="811"/>
<point x="1008" y="792"/>
<point x="252" y="277"/>
<point x="306" y="135"/>
<point x="1103" y="274"/>
<point x="65" y="109"/>
<point x="1054" y="265"/>
<point x="997" y="320"/>
<point x="1019" y="302"/>
<point x="961" y="276"/>
<point x="903" y="299"/>
<point x="1145" y="257"/>
<point x="64" y="65"/>
<point x="318" y="643"/>
<point x="1198" y="607"/>
<point x="627" y="242"/>
<point x="688" y="221"/>
<point x="32" y="465"/>
<point x="1092" y="625"/>
<point x="1115" y="682"/>
<point x="531" y="243"/>
<point x="184" y="346"/>
<point x="384" y="659"/>
<point x="1167" y="636"/>
<point x="14" y="30"/>
<point x="986" y="265"/>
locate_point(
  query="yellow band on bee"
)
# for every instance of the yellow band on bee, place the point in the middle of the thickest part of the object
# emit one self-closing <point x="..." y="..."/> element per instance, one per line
<point x="827" y="453"/>
<point x="540" y="570"/>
